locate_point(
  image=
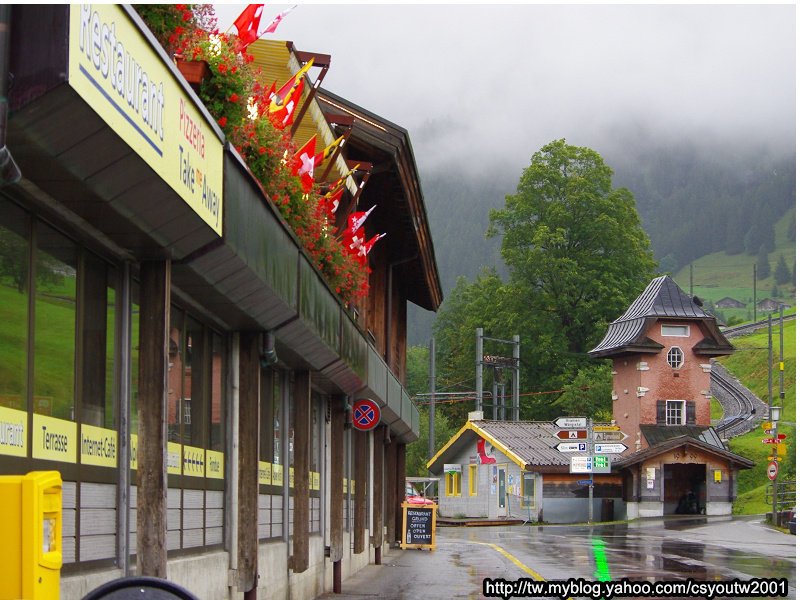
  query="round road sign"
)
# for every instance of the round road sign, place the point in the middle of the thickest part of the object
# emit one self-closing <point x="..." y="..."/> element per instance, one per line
<point x="366" y="414"/>
<point x="772" y="470"/>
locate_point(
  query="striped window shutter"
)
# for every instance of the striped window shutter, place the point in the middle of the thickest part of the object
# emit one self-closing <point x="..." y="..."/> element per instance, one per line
<point x="661" y="412"/>
<point x="690" y="419"/>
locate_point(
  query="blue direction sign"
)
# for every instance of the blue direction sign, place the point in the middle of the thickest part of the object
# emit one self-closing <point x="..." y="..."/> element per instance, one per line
<point x="366" y="414"/>
<point x="584" y="482"/>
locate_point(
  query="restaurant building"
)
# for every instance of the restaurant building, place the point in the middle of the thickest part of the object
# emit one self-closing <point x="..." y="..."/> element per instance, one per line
<point x="169" y="346"/>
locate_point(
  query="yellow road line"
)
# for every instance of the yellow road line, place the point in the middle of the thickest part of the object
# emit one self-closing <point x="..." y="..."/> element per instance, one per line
<point x="514" y="560"/>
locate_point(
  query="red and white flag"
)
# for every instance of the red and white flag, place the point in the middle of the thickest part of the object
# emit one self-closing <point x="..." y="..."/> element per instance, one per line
<point x="247" y="23"/>
<point x="303" y="164"/>
<point x="330" y="202"/>
<point x="277" y="20"/>
<point x="363" y="251"/>
<point x="356" y="220"/>
<point x="353" y="240"/>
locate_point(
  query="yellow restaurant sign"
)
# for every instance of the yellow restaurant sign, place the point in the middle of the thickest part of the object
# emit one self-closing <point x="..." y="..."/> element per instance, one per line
<point x="98" y="446"/>
<point x="54" y="439"/>
<point x="264" y="473"/>
<point x="117" y="72"/>
<point x="215" y="464"/>
<point x="13" y="432"/>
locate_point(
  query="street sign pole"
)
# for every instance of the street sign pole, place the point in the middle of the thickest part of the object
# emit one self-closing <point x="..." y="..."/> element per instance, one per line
<point x="591" y="474"/>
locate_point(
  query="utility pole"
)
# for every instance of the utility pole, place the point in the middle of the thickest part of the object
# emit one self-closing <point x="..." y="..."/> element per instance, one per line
<point x="515" y="381"/>
<point x="754" y="293"/>
<point x="590" y="440"/>
<point x="479" y="368"/>
<point x="691" y="279"/>
<point x="432" y="388"/>
<point x="781" y="393"/>
<point x="775" y="424"/>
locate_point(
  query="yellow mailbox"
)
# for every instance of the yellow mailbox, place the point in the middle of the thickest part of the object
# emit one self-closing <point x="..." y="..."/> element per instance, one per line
<point x="30" y="518"/>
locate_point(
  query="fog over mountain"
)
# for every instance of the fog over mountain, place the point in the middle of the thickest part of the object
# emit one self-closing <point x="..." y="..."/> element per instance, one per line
<point x="480" y="88"/>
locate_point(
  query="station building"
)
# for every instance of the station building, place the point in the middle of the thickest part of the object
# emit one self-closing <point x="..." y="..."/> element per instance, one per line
<point x="661" y="349"/>
<point x="168" y="345"/>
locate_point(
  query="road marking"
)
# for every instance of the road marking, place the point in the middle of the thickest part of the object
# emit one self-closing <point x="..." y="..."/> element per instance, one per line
<point x="514" y="560"/>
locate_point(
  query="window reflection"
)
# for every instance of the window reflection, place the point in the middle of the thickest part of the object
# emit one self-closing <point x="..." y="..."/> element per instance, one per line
<point x="54" y="330"/>
<point x="14" y="259"/>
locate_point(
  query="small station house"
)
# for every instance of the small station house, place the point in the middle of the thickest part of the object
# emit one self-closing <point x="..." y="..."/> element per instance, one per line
<point x="661" y="349"/>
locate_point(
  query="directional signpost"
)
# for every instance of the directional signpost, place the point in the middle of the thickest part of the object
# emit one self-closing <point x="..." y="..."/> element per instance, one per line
<point x="608" y="436"/>
<point x="572" y="447"/>
<point x="609" y="448"/>
<point x="570" y="422"/>
<point x="605" y="439"/>
<point x="571" y="434"/>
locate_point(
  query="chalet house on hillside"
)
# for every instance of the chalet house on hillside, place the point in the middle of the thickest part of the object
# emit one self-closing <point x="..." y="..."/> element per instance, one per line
<point x="771" y="305"/>
<point x="661" y="393"/>
<point x="728" y="302"/>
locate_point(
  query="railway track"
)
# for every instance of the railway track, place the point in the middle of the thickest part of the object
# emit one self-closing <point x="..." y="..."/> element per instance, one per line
<point x="739" y="330"/>
<point x="743" y="411"/>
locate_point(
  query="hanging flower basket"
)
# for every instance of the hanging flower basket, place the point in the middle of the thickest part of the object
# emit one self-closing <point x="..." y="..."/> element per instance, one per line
<point x="194" y="71"/>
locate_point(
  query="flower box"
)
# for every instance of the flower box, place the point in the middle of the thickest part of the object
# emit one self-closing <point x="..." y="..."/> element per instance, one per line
<point x="194" y="71"/>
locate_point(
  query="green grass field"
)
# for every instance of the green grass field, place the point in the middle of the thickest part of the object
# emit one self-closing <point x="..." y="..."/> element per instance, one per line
<point x="719" y="275"/>
<point x="749" y="364"/>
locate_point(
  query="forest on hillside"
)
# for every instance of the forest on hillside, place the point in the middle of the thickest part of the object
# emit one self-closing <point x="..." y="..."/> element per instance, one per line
<point x="691" y="201"/>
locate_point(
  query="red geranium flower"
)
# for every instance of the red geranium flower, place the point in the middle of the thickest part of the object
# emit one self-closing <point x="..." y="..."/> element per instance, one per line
<point x="223" y="121"/>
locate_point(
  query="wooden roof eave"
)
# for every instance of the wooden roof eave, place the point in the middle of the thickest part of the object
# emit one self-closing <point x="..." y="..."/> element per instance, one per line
<point x="685" y="440"/>
<point x="395" y="142"/>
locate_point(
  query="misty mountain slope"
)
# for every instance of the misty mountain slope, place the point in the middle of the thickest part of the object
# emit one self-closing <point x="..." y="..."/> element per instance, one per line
<point x="692" y="202"/>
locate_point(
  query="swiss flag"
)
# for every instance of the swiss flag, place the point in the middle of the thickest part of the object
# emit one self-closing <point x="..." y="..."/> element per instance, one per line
<point x="247" y="23"/>
<point x="303" y="164"/>
<point x="356" y="220"/>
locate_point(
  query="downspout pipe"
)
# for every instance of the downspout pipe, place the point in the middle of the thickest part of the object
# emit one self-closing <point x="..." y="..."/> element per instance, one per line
<point x="9" y="171"/>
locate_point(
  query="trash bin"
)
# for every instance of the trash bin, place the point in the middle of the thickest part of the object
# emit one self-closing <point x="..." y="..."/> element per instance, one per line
<point x="607" y="509"/>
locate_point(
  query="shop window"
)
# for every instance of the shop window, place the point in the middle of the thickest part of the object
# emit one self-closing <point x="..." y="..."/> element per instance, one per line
<point x="528" y="487"/>
<point x="473" y="480"/>
<point x="55" y="312"/>
<point x="453" y="484"/>
<point x="218" y="405"/>
<point x="98" y="328"/>
<point x="14" y="287"/>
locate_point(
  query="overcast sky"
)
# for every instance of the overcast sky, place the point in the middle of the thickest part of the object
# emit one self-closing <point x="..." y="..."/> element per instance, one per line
<point x="482" y="83"/>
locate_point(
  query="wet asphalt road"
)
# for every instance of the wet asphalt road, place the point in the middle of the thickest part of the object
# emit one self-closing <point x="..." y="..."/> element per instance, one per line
<point x="701" y="548"/>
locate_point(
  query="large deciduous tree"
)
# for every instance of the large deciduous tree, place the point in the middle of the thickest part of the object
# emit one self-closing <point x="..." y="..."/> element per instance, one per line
<point x="574" y="242"/>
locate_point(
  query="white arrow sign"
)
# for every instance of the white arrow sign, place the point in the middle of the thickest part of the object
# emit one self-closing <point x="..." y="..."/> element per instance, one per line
<point x="609" y="448"/>
<point x="609" y="436"/>
<point x="570" y="422"/>
<point x="572" y="447"/>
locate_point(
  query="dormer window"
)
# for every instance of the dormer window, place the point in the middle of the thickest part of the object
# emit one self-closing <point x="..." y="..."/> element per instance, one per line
<point x="675" y="357"/>
<point x="675" y="330"/>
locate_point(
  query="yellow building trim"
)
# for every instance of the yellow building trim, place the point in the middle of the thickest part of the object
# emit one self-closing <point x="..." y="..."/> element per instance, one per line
<point x="471" y="425"/>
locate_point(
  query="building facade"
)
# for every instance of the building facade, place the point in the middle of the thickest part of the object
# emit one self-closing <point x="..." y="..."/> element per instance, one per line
<point x="661" y="349"/>
<point x="170" y="348"/>
<point x="512" y="470"/>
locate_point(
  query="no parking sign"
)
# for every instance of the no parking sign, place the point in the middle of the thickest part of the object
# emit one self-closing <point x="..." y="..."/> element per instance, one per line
<point x="366" y="414"/>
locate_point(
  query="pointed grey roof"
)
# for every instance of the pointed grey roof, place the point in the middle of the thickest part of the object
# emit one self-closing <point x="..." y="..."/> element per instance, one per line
<point x="661" y="299"/>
